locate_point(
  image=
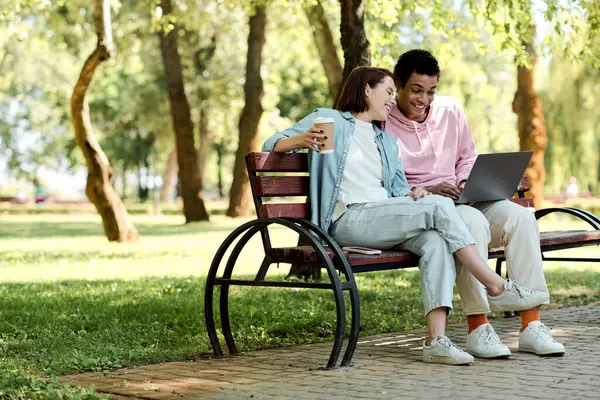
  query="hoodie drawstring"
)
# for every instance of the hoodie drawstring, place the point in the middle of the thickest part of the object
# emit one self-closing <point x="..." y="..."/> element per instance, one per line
<point x="428" y="135"/>
<point x="419" y="136"/>
<point x="430" y="140"/>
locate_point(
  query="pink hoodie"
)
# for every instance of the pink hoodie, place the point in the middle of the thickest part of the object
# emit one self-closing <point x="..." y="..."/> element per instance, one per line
<point x="439" y="149"/>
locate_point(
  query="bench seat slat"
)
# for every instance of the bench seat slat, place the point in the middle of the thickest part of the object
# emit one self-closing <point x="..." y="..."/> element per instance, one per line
<point x="404" y="259"/>
<point x="306" y="254"/>
<point x="569" y="237"/>
<point x="523" y="201"/>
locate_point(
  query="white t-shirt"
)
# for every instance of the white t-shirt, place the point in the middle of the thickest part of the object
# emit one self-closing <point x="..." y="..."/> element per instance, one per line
<point x="362" y="181"/>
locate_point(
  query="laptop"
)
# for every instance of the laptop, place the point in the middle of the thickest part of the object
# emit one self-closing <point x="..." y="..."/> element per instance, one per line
<point x="495" y="176"/>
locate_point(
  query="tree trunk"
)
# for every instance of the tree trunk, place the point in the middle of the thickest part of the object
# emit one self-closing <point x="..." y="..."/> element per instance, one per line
<point x="240" y="200"/>
<point x="205" y="138"/>
<point x="124" y="184"/>
<point x="99" y="189"/>
<point x="357" y="52"/>
<point x="532" y="126"/>
<point x="187" y="158"/>
<point x="167" y="191"/>
<point x="219" y="150"/>
<point x="327" y="50"/>
<point x="202" y="58"/>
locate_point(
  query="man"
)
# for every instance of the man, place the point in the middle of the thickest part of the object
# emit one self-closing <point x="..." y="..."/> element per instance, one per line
<point x="438" y="152"/>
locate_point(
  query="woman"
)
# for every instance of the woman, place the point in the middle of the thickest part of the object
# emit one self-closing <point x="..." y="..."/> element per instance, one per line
<point x="361" y="197"/>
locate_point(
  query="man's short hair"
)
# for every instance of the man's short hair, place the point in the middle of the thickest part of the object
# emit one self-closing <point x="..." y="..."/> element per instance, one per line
<point x="420" y="61"/>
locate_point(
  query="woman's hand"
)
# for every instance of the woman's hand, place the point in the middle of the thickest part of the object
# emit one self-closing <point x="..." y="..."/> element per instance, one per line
<point x="417" y="193"/>
<point x="309" y="139"/>
<point x="306" y="140"/>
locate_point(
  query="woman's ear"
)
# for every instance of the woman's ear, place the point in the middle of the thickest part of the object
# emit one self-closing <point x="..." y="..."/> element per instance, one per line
<point x="368" y="90"/>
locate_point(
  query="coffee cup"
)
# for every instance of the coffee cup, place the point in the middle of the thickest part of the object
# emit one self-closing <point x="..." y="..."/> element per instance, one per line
<point x="326" y="125"/>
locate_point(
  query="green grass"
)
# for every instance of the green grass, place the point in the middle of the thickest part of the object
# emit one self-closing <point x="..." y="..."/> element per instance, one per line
<point x="70" y="301"/>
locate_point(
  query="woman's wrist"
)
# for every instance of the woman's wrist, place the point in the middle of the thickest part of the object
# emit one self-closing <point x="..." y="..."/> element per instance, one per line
<point x="284" y="145"/>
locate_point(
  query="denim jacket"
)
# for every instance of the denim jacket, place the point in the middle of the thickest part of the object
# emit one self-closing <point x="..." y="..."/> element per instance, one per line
<point x="326" y="170"/>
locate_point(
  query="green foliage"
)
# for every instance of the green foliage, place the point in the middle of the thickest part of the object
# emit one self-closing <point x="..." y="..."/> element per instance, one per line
<point x="572" y="120"/>
<point x="18" y="387"/>
<point x="513" y="22"/>
<point x="43" y="45"/>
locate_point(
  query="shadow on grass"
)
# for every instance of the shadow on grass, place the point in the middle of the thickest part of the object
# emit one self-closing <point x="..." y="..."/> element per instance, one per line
<point x="93" y="325"/>
<point x="70" y="229"/>
<point x="51" y="258"/>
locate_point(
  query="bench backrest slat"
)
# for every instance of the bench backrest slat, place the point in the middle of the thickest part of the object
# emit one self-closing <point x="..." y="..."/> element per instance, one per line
<point x="524" y="184"/>
<point x="297" y="210"/>
<point x="270" y="186"/>
<point x="277" y="162"/>
<point x="261" y="167"/>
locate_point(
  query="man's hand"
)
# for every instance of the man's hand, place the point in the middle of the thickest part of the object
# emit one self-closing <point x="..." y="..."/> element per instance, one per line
<point x="445" y="189"/>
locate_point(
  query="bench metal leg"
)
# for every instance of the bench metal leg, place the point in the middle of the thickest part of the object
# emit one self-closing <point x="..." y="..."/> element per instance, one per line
<point x="224" y="295"/>
<point x="499" y="262"/>
<point x="354" y="328"/>
<point x="264" y="268"/>
<point x="249" y="230"/>
<point x="209" y="316"/>
<point x="344" y="268"/>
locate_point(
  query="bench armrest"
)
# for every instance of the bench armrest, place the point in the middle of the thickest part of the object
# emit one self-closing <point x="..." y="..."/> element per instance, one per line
<point x="584" y="215"/>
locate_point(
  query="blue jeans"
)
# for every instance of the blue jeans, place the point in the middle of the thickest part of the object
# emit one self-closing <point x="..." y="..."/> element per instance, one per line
<point x="429" y="227"/>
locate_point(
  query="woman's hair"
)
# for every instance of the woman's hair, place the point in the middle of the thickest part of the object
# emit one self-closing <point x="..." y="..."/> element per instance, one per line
<point x="353" y="97"/>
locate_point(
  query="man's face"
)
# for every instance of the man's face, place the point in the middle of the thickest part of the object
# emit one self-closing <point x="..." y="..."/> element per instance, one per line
<point x="416" y="96"/>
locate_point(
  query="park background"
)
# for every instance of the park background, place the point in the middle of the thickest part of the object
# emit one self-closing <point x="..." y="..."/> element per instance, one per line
<point x="218" y="77"/>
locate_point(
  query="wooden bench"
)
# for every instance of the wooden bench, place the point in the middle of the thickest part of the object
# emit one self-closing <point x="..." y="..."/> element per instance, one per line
<point x="266" y="179"/>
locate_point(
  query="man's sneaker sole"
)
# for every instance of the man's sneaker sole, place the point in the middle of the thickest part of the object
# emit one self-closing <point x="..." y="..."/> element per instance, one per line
<point x="527" y="349"/>
<point x="498" y="354"/>
<point x="444" y="360"/>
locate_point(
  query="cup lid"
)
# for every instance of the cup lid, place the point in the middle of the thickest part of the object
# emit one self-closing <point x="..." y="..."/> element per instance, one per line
<point x="323" y="120"/>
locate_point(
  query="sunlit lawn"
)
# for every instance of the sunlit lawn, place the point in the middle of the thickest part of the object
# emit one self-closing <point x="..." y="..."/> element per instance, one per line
<point x="71" y="301"/>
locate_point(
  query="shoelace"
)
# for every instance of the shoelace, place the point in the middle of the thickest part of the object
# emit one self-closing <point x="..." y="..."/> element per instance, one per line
<point x="490" y="336"/>
<point x="543" y="333"/>
<point x="521" y="291"/>
<point x="447" y="344"/>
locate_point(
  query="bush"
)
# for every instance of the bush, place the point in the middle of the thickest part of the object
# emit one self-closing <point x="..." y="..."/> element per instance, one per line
<point x="15" y="386"/>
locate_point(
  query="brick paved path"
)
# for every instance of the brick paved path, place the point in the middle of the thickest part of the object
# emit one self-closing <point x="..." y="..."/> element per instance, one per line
<point x="385" y="367"/>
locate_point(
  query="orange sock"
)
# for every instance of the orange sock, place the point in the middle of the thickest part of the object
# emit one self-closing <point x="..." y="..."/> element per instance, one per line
<point x="476" y="321"/>
<point x="529" y="316"/>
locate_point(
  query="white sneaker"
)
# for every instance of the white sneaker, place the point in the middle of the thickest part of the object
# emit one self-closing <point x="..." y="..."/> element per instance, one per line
<point x="483" y="342"/>
<point x="536" y="338"/>
<point x="443" y="351"/>
<point x="516" y="298"/>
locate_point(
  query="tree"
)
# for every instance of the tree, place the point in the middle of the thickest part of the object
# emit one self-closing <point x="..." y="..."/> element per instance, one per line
<point x="99" y="190"/>
<point x="202" y="58"/>
<point x="357" y="51"/>
<point x="187" y="157"/>
<point x="572" y="141"/>
<point x="239" y="198"/>
<point x="167" y="191"/>
<point x="517" y="30"/>
<point x="531" y="123"/>
<point x="326" y="47"/>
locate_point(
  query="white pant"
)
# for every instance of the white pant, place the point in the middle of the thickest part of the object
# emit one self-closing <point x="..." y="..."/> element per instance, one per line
<point x="429" y="227"/>
<point x="500" y="224"/>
